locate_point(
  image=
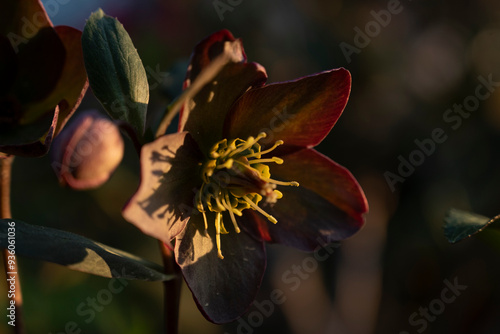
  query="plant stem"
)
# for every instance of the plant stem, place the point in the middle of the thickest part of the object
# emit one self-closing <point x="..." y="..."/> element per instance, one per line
<point x="11" y="269"/>
<point x="171" y="290"/>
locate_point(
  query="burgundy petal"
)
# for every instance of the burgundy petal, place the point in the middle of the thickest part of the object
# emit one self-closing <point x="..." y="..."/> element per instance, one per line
<point x="305" y="220"/>
<point x="73" y="82"/>
<point x="8" y="66"/>
<point x="41" y="61"/>
<point x="24" y="20"/>
<point x="222" y="288"/>
<point x="207" y="50"/>
<point x="205" y="113"/>
<point x="301" y="112"/>
<point x="164" y="201"/>
<point x="30" y="140"/>
<point x="327" y="206"/>
<point x="325" y="177"/>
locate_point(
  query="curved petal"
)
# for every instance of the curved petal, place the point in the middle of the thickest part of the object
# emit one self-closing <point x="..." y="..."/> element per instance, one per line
<point x="222" y="288"/>
<point x="208" y="49"/>
<point x="327" y="206"/>
<point x="23" y="20"/>
<point x="73" y="82"/>
<point x="325" y="177"/>
<point x="164" y="201"/>
<point x="30" y="140"/>
<point x="41" y="62"/>
<point x="8" y="66"/>
<point x="301" y="112"/>
<point x="207" y="110"/>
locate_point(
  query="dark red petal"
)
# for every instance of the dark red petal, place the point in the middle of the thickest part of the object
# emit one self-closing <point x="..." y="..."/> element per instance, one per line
<point x="327" y="206"/>
<point x="169" y="178"/>
<point x="8" y="66"/>
<point x="205" y="113"/>
<point x="30" y="140"/>
<point x="325" y="177"/>
<point x="301" y="112"/>
<point x="73" y="82"/>
<point x="41" y="62"/>
<point x="22" y="19"/>
<point x="222" y="288"/>
<point x="207" y="50"/>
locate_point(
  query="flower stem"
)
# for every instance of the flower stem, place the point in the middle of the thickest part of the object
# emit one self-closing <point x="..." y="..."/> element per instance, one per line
<point x="11" y="269"/>
<point x="171" y="290"/>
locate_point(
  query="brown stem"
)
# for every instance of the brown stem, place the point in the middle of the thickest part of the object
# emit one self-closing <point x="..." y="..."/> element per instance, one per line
<point x="171" y="290"/>
<point x="9" y="259"/>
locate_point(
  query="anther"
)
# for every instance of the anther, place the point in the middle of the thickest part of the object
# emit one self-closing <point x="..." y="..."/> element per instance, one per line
<point x="228" y="164"/>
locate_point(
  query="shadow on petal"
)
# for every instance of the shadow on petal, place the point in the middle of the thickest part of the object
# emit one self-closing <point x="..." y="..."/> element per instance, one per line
<point x="203" y="115"/>
<point x="222" y="288"/>
<point x="164" y="201"/>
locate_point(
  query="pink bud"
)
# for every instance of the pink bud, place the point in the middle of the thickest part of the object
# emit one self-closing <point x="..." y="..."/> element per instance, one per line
<point x="86" y="153"/>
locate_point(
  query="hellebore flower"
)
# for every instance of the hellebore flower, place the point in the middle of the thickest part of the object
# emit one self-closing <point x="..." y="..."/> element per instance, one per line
<point x="228" y="181"/>
<point x="87" y="152"/>
<point x="42" y="77"/>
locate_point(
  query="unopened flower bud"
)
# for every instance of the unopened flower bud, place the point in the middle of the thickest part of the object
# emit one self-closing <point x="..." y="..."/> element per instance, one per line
<point x="87" y="152"/>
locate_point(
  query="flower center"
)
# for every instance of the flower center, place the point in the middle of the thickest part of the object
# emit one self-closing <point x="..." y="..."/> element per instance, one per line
<point x="235" y="178"/>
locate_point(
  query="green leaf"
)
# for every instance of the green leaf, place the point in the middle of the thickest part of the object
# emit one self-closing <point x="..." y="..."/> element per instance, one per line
<point x="115" y="70"/>
<point x="76" y="252"/>
<point x="463" y="224"/>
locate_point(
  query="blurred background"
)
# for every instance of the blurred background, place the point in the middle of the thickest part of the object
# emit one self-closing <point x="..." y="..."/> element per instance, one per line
<point x="420" y="59"/>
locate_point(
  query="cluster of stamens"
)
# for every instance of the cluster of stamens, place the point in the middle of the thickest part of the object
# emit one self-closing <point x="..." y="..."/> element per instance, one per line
<point x="235" y="178"/>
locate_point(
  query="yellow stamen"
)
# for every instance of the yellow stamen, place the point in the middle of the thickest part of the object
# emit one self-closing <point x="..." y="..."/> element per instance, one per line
<point x="276" y="144"/>
<point x="236" y="177"/>
<point x="220" y="207"/>
<point x="217" y="234"/>
<point x="231" y="213"/>
<point x="228" y="150"/>
<point x="278" y="194"/>
<point x="281" y="183"/>
<point x="256" y="207"/>
<point x="228" y="164"/>
<point x="249" y="143"/>
<point x="276" y="160"/>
